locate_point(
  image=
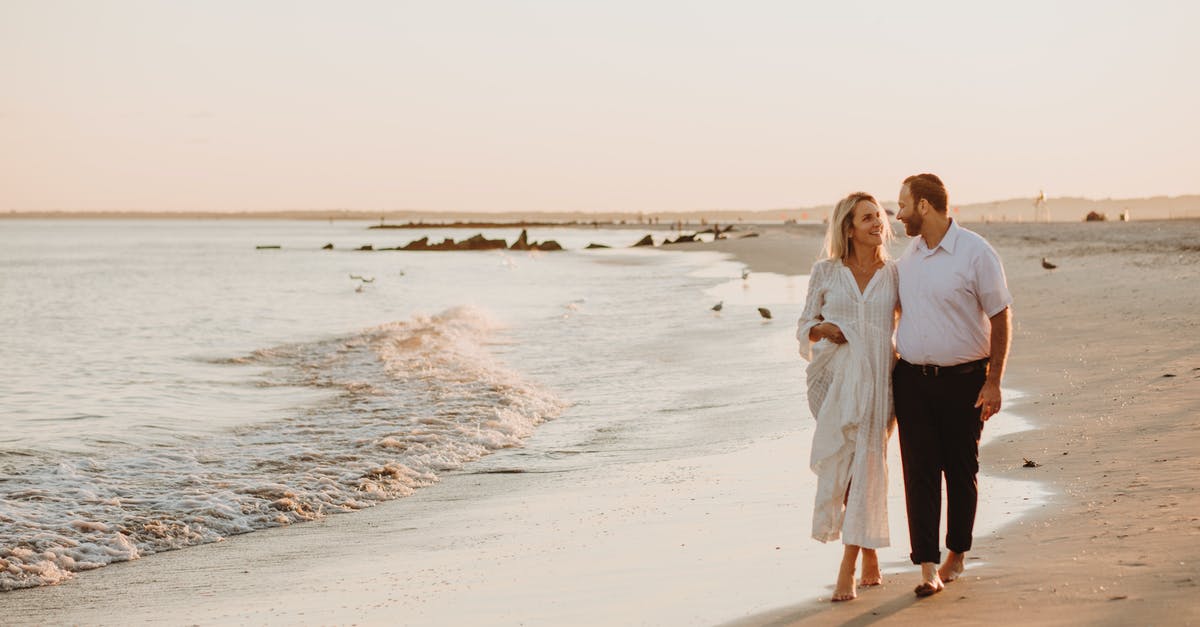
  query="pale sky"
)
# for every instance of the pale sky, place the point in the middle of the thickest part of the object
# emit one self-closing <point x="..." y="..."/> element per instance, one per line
<point x="560" y="105"/>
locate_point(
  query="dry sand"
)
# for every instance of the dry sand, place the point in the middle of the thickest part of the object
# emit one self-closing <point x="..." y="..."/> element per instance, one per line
<point x="1117" y="543"/>
<point x="1107" y="348"/>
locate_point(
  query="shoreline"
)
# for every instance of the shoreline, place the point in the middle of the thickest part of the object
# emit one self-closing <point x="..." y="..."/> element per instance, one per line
<point x="1114" y="544"/>
<point x="490" y="545"/>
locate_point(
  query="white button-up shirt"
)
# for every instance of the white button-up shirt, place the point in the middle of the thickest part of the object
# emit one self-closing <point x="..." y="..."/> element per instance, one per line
<point x="947" y="295"/>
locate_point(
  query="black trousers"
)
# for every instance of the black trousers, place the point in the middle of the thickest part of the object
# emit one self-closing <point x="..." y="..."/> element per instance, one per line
<point x="939" y="435"/>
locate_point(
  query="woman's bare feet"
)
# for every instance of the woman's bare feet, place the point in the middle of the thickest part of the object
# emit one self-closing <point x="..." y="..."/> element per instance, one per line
<point x="931" y="583"/>
<point x="870" y="569"/>
<point x="845" y="589"/>
<point x="952" y="568"/>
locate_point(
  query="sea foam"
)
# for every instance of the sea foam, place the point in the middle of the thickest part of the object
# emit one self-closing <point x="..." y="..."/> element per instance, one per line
<point x="410" y="400"/>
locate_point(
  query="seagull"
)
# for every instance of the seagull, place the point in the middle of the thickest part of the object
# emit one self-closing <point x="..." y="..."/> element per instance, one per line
<point x="764" y="312"/>
<point x="1047" y="265"/>
<point x="718" y="306"/>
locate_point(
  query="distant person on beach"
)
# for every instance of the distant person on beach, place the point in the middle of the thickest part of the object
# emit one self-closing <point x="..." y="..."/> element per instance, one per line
<point x="953" y="340"/>
<point x="845" y="333"/>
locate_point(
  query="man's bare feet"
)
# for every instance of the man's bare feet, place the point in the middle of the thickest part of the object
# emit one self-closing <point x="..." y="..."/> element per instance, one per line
<point x="952" y="568"/>
<point x="845" y="590"/>
<point x="870" y="569"/>
<point x="931" y="583"/>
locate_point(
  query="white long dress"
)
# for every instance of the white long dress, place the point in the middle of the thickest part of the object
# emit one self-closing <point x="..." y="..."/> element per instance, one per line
<point x="850" y="395"/>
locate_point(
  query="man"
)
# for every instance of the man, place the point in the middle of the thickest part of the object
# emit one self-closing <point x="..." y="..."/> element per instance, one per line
<point x="953" y="340"/>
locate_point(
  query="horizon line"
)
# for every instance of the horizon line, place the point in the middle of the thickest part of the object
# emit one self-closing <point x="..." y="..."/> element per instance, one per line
<point x="644" y="212"/>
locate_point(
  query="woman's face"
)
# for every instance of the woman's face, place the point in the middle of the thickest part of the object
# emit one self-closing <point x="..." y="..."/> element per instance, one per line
<point x="867" y="228"/>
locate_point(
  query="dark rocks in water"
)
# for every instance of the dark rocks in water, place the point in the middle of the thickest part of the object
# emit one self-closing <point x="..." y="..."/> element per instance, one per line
<point x="328" y="246"/>
<point x="522" y="242"/>
<point x="418" y="244"/>
<point x="595" y="245"/>
<point x="366" y="247"/>
<point x="682" y="239"/>
<point x="479" y="242"/>
<point x="476" y="242"/>
<point x="645" y="241"/>
<point x="764" y="312"/>
<point x="267" y="247"/>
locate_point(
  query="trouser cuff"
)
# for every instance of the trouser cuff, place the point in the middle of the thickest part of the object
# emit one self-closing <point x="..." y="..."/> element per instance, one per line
<point x="935" y="557"/>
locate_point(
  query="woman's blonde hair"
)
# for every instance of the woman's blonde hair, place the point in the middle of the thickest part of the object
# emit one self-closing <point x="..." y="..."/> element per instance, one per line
<point x="837" y="237"/>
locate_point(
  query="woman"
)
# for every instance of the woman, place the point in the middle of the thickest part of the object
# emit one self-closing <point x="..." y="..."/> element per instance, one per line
<point x="846" y="334"/>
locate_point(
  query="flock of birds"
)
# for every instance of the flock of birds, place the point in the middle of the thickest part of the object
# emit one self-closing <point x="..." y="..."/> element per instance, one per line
<point x="762" y="311"/>
<point x="766" y="313"/>
<point x="362" y="281"/>
<point x="574" y="305"/>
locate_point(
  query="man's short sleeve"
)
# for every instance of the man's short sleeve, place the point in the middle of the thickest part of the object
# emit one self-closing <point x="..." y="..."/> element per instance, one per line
<point x="991" y="286"/>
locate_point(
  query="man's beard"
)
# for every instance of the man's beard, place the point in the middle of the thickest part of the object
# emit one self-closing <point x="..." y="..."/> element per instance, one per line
<point x="912" y="226"/>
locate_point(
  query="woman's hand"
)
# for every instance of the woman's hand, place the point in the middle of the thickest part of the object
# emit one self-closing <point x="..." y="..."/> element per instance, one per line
<point x="828" y="331"/>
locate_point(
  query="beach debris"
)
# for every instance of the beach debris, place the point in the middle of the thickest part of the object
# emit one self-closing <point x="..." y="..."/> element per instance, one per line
<point x="267" y="247"/>
<point x="745" y="273"/>
<point x="1047" y="265"/>
<point x="1029" y="463"/>
<point x="1095" y="216"/>
<point x="748" y="235"/>
<point x="764" y="312"/>
<point x="595" y="245"/>
<point x="645" y="241"/>
<point x="1168" y="375"/>
<point x="719" y="306"/>
<point x="367" y="247"/>
<point x="328" y="246"/>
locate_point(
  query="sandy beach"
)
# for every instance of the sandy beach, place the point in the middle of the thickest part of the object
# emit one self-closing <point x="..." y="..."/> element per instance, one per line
<point x="1105" y="347"/>
<point x="1104" y="352"/>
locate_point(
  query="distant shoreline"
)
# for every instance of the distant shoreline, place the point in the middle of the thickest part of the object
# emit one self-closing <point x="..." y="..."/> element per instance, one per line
<point x="1015" y="210"/>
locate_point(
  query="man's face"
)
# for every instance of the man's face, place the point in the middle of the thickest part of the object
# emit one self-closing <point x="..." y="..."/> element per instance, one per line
<point x="908" y="213"/>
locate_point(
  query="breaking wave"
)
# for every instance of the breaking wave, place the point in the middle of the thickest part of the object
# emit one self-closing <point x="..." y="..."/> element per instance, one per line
<point x="410" y="400"/>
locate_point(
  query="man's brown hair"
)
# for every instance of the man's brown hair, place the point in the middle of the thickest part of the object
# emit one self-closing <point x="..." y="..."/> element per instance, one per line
<point x="929" y="187"/>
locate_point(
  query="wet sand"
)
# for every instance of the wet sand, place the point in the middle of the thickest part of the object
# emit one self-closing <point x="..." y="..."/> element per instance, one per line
<point x="709" y="538"/>
<point x="1107" y="349"/>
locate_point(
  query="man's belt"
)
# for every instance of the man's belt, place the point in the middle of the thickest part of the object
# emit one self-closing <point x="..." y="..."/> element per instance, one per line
<point x="929" y="370"/>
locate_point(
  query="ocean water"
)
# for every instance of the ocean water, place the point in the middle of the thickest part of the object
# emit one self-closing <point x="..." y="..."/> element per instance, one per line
<point x="163" y="384"/>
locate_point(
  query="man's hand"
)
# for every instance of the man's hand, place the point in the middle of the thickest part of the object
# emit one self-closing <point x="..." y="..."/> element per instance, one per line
<point x="989" y="400"/>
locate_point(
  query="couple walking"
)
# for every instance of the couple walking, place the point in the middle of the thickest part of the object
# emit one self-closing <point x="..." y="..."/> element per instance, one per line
<point x="948" y="293"/>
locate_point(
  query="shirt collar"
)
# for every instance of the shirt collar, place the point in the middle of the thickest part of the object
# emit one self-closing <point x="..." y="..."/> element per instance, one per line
<point x="948" y="243"/>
